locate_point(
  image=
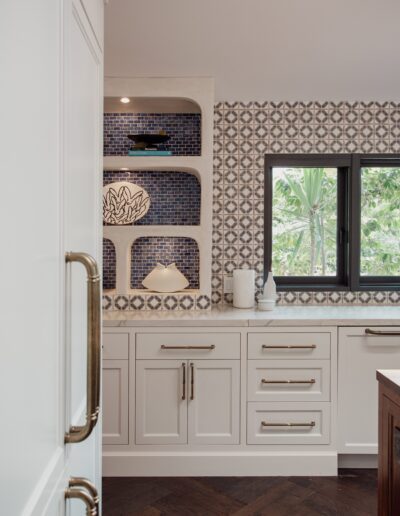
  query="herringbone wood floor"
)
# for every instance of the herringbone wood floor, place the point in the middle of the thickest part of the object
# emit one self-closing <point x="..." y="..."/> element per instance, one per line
<point x="352" y="493"/>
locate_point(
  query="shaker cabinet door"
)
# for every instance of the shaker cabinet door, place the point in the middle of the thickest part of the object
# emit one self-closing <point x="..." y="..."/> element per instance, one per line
<point x="161" y="404"/>
<point x="213" y="401"/>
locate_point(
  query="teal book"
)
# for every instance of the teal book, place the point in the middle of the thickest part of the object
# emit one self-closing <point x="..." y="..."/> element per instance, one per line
<point x="149" y="153"/>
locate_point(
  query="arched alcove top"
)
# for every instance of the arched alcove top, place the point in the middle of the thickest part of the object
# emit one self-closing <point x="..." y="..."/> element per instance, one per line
<point x="151" y="105"/>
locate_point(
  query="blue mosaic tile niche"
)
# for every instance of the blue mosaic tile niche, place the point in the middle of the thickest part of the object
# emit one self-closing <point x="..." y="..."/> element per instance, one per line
<point x="109" y="264"/>
<point x="184" y="129"/>
<point x="174" y="196"/>
<point x="147" y="251"/>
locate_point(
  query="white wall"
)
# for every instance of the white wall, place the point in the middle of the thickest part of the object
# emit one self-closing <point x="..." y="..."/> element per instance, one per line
<point x="262" y="49"/>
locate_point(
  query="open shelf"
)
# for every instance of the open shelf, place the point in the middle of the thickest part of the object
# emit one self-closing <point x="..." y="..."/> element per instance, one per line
<point x="191" y="164"/>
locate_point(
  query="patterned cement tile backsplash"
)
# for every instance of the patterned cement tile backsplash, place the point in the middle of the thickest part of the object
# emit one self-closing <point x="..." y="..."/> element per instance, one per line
<point x="155" y="302"/>
<point x="243" y="133"/>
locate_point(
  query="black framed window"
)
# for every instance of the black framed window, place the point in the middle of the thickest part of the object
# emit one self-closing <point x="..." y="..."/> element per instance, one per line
<point x="332" y="221"/>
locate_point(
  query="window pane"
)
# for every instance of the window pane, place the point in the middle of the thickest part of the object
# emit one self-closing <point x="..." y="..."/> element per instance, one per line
<point x="380" y="221"/>
<point x="304" y="221"/>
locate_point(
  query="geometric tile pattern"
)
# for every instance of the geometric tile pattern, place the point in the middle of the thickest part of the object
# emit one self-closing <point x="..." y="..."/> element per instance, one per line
<point x="174" y="196"/>
<point x="243" y="133"/>
<point x="147" y="251"/>
<point x="183" y="129"/>
<point x="156" y="302"/>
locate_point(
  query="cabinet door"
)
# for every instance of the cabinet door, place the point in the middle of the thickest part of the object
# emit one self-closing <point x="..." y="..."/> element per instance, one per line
<point x="360" y="355"/>
<point x="213" y="401"/>
<point x="115" y="401"/>
<point x="161" y="402"/>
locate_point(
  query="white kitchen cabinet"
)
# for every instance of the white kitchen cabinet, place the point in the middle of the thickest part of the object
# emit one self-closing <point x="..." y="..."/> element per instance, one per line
<point x="360" y="355"/>
<point x="161" y="402"/>
<point x="194" y="402"/>
<point x="115" y="401"/>
<point x="213" y="402"/>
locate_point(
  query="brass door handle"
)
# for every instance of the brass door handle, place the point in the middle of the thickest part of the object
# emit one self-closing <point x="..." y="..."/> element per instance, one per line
<point x="368" y="331"/>
<point x="264" y="380"/>
<point x="191" y="381"/>
<point x="311" y="346"/>
<point x="76" y="482"/>
<point x="183" y="380"/>
<point x="310" y="424"/>
<point x="82" y="489"/>
<point x="78" y="434"/>
<point x="163" y="346"/>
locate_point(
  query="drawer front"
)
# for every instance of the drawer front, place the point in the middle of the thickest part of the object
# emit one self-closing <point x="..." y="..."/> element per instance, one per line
<point x="288" y="380"/>
<point x="115" y="346"/>
<point x="304" y="345"/>
<point x="268" y="423"/>
<point x="187" y="345"/>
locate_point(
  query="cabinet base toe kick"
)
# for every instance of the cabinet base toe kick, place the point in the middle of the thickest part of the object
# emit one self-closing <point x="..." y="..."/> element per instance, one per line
<point x="170" y="464"/>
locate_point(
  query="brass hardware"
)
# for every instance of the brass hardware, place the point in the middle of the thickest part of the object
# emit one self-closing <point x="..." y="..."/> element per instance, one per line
<point x="163" y="346"/>
<point x="263" y="380"/>
<point x="311" y="424"/>
<point x="184" y="381"/>
<point x="89" y="486"/>
<point x="191" y="381"/>
<point x="85" y="497"/>
<point x="78" y="434"/>
<point x="368" y="331"/>
<point x="311" y="346"/>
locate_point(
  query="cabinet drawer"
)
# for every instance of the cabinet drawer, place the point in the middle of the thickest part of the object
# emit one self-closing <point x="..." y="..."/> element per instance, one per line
<point x="188" y="345"/>
<point x="115" y="346"/>
<point x="307" y="345"/>
<point x="288" y="380"/>
<point x="269" y="423"/>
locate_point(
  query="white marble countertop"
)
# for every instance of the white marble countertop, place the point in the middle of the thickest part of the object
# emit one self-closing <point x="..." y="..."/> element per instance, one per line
<point x="280" y="316"/>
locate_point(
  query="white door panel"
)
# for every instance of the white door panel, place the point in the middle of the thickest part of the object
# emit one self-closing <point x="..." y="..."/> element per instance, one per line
<point x="46" y="51"/>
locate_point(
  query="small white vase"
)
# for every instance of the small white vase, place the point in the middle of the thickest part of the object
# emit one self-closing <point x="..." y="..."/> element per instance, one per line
<point x="270" y="288"/>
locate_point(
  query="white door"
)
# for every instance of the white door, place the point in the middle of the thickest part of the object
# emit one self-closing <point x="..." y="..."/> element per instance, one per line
<point x="360" y="355"/>
<point x="51" y="61"/>
<point x="213" y="401"/>
<point x="115" y="407"/>
<point x="161" y="402"/>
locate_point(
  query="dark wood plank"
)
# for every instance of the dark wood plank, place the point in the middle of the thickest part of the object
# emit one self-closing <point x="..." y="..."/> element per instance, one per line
<point x="351" y="493"/>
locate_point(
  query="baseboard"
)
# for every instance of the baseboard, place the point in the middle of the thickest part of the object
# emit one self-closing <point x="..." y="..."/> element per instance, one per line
<point x="359" y="461"/>
<point x="175" y="464"/>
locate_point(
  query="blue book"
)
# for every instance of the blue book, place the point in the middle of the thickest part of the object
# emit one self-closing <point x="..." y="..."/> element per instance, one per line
<point x="149" y="153"/>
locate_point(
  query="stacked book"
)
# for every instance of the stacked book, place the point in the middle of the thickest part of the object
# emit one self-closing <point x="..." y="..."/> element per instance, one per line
<point x="149" y="145"/>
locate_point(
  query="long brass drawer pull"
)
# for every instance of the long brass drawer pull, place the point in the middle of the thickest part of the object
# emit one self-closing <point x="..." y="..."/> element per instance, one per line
<point x="311" y="346"/>
<point x="89" y="486"/>
<point x="264" y="380"/>
<point x="311" y="424"/>
<point x="78" y="434"/>
<point x="191" y="381"/>
<point x="163" y="346"/>
<point x="368" y="331"/>
<point x="183" y="380"/>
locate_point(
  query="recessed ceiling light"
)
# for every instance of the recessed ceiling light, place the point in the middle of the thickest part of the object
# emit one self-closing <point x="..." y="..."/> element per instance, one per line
<point x="125" y="100"/>
<point x="124" y="169"/>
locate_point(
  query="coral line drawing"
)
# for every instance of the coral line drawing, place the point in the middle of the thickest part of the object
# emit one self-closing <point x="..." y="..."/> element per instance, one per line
<point x="124" y="203"/>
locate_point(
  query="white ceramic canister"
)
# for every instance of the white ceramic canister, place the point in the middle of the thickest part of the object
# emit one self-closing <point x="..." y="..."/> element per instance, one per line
<point x="243" y="288"/>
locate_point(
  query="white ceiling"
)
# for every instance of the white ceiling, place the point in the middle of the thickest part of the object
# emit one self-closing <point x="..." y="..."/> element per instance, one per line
<point x="261" y="49"/>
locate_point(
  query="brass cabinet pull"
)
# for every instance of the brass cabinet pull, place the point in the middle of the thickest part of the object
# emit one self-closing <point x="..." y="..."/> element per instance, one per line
<point x="78" y="434"/>
<point x="75" y="482"/>
<point x="311" y="424"/>
<point x="184" y="380"/>
<point x="82" y="489"/>
<point x="191" y="381"/>
<point x="368" y="331"/>
<point x="264" y="380"/>
<point x="311" y="346"/>
<point x="163" y="346"/>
